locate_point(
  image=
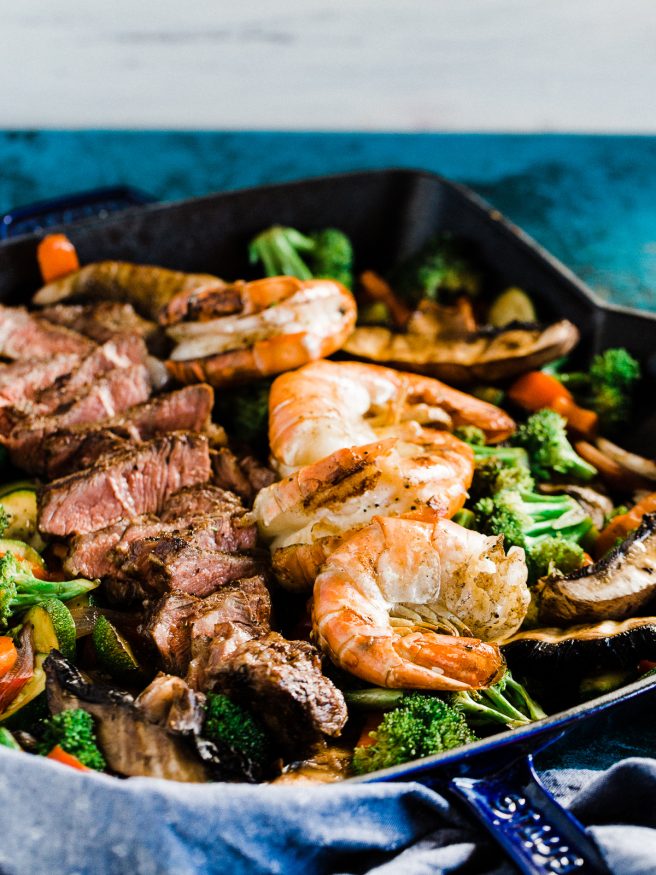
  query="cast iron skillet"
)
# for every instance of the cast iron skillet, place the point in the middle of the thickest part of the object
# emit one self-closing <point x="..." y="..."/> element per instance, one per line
<point x="388" y="214"/>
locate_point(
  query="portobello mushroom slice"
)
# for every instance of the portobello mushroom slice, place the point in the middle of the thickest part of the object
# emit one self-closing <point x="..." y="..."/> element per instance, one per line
<point x="596" y="505"/>
<point x="131" y="743"/>
<point x="488" y="354"/>
<point x="611" y="589"/>
<point x="582" y="650"/>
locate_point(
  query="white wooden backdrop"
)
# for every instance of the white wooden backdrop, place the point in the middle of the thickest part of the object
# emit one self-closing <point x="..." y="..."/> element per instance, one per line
<point x="579" y="65"/>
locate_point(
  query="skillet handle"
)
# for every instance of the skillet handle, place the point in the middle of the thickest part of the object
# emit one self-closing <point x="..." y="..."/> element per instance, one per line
<point x="70" y="208"/>
<point x="537" y="833"/>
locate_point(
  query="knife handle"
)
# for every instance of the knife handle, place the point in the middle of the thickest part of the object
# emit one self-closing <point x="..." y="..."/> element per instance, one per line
<point x="537" y="833"/>
<point x="70" y="208"/>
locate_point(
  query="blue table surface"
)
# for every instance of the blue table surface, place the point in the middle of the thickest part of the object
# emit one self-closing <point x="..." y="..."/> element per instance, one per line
<point x="590" y="200"/>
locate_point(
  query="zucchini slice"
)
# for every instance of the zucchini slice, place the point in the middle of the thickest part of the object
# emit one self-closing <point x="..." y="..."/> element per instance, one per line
<point x="29" y="695"/>
<point x="21" y="551"/>
<point x="20" y="506"/>
<point x="54" y="628"/>
<point x="114" y="653"/>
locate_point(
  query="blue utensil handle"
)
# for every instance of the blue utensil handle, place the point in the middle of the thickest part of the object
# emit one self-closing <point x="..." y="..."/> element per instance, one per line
<point x="70" y="208"/>
<point x="537" y="833"/>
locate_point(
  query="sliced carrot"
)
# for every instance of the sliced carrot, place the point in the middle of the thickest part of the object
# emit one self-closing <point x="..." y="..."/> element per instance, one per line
<point x="57" y="257"/>
<point x="587" y="560"/>
<point x="377" y="289"/>
<point x="67" y="759"/>
<point x="646" y="665"/>
<point x="8" y="654"/>
<point x="622" y="526"/>
<point x="536" y="390"/>
<point x="372" y="722"/>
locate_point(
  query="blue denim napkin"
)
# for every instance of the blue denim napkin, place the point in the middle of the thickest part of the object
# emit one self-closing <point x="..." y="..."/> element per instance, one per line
<point x="55" y="820"/>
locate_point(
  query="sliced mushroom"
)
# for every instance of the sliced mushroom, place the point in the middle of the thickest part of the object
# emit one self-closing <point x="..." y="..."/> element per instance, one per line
<point x="597" y="506"/>
<point x="488" y="354"/>
<point x="131" y="743"/>
<point x="613" y="588"/>
<point x="582" y="649"/>
<point x="639" y="465"/>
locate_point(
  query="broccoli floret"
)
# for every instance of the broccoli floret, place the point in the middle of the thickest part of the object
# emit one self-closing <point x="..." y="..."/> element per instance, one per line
<point x="544" y="438"/>
<point x="74" y="731"/>
<point x="20" y="589"/>
<point x="441" y="269"/>
<point x="419" y="726"/>
<point x="471" y="434"/>
<point x="285" y="251"/>
<point x="332" y="256"/>
<point x="244" y="412"/>
<point x="492" y="476"/>
<point x="554" y="554"/>
<point x="527" y="520"/>
<point x="607" y="386"/>
<point x="230" y="726"/>
<point x="505" y="702"/>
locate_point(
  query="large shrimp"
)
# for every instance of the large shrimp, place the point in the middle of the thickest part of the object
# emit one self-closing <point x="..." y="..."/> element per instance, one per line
<point x="250" y="330"/>
<point x="320" y="418"/>
<point x="327" y="406"/>
<point x="385" y="597"/>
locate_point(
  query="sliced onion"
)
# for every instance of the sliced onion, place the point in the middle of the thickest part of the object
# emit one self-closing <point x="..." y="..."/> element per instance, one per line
<point x="631" y="461"/>
<point x="22" y="671"/>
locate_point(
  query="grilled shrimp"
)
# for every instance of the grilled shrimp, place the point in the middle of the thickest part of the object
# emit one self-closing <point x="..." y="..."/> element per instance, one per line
<point x="327" y="406"/>
<point x="385" y="597"/>
<point x="148" y="288"/>
<point x="261" y="328"/>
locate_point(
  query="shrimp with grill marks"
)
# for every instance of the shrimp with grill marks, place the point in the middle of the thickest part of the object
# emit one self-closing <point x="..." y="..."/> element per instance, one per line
<point x="387" y="595"/>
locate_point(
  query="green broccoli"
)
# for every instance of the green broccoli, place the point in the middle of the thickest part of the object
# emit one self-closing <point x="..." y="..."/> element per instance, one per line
<point x="229" y="725"/>
<point x="327" y="253"/>
<point x="471" y="434"/>
<point x="554" y="554"/>
<point x="606" y="387"/>
<point x="527" y="520"/>
<point x="74" y="731"/>
<point x="492" y="476"/>
<point x="419" y="725"/>
<point x="506" y="702"/>
<point x="544" y="437"/>
<point x="244" y="412"/>
<point x="20" y="589"/>
<point x="441" y="269"/>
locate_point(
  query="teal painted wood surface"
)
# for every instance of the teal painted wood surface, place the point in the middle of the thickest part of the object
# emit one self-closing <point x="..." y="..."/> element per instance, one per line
<point x="591" y="200"/>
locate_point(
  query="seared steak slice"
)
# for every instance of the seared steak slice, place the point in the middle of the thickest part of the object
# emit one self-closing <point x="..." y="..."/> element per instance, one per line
<point x="92" y="555"/>
<point x="224" y="621"/>
<point x="103" y="320"/>
<point x="202" y="500"/>
<point x="124" y="484"/>
<point x="22" y="381"/>
<point x="187" y="409"/>
<point x="118" y="390"/>
<point x="227" y="473"/>
<point x="72" y="449"/>
<point x="171" y="564"/>
<point x="169" y="628"/>
<point x="24" y="336"/>
<point x="283" y="680"/>
<point x="257" y="474"/>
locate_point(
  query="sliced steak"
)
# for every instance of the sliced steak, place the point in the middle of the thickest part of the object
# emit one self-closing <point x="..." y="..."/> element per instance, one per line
<point x="168" y="626"/>
<point x="103" y="321"/>
<point x="222" y="622"/>
<point x="117" y="391"/>
<point x="124" y="484"/>
<point x="187" y="409"/>
<point x="22" y="381"/>
<point x="103" y="553"/>
<point x="228" y="474"/>
<point x="171" y="564"/>
<point x="24" y="336"/>
<point x="257" y="474"/>
<point x="284" y="682"/>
